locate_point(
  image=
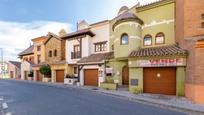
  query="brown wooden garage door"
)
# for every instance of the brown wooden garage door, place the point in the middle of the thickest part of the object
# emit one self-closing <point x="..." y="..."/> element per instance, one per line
<point x="60" y="76"/>
<point x="160" y="80"/>
<point x="39" y="76"/>
<point x="91" y="77"/>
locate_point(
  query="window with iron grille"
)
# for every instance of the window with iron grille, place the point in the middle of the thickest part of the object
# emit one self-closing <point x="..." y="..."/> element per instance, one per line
<point x="55" y="53"/>
<point x="124" y="39"/>
<point x="75" y="70"/>
<point x="39" y="59"/>
<point x="148" y="40"/>
<point x="50" y="53"/>
<point x="100" y="46"/>
<point x="202" y="24"/>
<point x="38" y="48"/>
<point x="202" y="16"/>
<point x="160" y="38"/>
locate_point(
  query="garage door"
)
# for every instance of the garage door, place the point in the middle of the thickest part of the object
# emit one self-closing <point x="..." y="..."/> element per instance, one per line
<point x="39" y="76"/>
<point x="60" y="76"/>
<point x="160" y="80"/>
<point x="91" y="77"/>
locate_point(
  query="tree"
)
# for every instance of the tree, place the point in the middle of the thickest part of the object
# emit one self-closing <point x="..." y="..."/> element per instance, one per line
<point x="45" y="70"/>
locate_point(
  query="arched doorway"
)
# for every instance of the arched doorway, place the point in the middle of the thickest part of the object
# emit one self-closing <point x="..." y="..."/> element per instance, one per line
<point x="125" y="75"/>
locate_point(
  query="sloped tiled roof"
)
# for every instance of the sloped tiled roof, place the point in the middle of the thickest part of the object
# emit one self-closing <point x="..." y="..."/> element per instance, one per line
<point x="94" y="58"/>
<point x="50" y="35"/>
<point x="159" y="51"/>
<point x="15" y="63"/>
<point x="27" y="51"/>
<point x="127" y="16"/>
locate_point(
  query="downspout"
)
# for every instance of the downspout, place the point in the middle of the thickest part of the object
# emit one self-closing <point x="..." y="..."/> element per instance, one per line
<point x="78" y="73"/>
<point x="105" y="67"/>
<point x="79" y="70"/>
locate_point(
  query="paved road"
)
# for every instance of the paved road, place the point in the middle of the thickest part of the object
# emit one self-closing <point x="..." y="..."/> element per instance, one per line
<point x="35" y="99"/>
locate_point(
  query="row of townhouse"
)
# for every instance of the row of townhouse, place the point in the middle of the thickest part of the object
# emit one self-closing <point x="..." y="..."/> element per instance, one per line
<point x="154" y="48"/>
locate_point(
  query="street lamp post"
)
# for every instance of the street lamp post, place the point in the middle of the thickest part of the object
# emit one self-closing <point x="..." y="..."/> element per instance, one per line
<point x="2" y="63"/>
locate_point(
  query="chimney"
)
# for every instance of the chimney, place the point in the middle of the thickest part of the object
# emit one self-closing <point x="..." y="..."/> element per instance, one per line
<point x="62" y="32"/>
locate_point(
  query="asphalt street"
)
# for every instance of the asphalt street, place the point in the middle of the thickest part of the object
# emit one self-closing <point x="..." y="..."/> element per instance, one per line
<point x="25" y="98"/>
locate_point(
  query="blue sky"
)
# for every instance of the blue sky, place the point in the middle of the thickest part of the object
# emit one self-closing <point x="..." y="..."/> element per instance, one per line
<point x="22" y="20"/>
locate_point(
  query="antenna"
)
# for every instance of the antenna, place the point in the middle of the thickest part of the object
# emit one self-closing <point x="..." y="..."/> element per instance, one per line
<point x="77" y="26"/>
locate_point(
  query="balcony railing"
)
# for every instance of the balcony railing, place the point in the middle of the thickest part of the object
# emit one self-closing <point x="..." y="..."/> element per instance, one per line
<point x="75" y="55"/>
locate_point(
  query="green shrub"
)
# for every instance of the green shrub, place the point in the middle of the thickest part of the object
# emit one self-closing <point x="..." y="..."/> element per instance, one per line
<point x="109" y="79"/>
<point x="30" y="74"/>
<point x="45" y="70"/>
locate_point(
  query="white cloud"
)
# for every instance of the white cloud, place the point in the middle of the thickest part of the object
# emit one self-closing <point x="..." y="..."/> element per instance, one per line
<point x="15" y="36"/>
<point x="131" y="3"/>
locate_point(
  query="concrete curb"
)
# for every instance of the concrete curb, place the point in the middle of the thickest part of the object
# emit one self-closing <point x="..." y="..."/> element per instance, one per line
<point x="144" y="101"/>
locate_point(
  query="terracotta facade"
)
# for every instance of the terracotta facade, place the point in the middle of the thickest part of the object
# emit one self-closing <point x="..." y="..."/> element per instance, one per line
<point x="188" y="34"/>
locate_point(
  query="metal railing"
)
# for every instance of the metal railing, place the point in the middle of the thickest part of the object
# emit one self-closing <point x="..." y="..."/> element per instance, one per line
<point x="75" y="55"/>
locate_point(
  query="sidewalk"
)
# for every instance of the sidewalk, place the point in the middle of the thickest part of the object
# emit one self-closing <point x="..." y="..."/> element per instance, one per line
<point x="161" y="100"/>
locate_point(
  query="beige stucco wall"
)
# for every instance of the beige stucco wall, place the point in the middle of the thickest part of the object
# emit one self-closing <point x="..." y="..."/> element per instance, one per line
<point x="25" y="66"/>
<point x="28" y="57"/>
<point x="102" y="34"/>
<point x="16" y="71"/>
<point x="41" y="52"/>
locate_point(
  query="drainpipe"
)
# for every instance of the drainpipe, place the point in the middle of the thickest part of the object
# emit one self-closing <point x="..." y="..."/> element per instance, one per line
<point x="105" y="67"/>
<point x="78" y="73"/>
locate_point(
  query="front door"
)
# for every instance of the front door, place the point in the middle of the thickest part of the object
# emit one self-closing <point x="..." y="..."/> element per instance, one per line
<point x="26" y="75"/>
<point x="11" y="74"/>
<point x="39" y="76"/>
<point x="125" y="75"/>
<point x="60" y="76"/>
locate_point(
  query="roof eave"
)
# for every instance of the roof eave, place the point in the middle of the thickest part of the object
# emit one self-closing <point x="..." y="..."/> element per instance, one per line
<point x="90" y="33"/>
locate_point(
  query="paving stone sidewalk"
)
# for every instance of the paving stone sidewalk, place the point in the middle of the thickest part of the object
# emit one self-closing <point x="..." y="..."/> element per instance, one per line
<point x="161" y="100"/>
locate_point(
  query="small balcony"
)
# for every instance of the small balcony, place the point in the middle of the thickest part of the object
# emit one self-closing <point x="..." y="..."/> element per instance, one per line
<point x="75" y="55"/>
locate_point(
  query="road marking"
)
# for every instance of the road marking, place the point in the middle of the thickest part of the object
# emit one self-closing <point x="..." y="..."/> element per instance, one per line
<point x="4" y="105"/>
<point x="1" y="98"/>
<point x="8" y="113"/>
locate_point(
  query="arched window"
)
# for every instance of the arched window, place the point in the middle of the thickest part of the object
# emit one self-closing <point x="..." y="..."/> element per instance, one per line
<point x="55" y="53"/>
<point x="160" y="38"/>
<point x="124" y="39"/>
<point x="50" y="53"/>
<point x="148" y="40"/>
